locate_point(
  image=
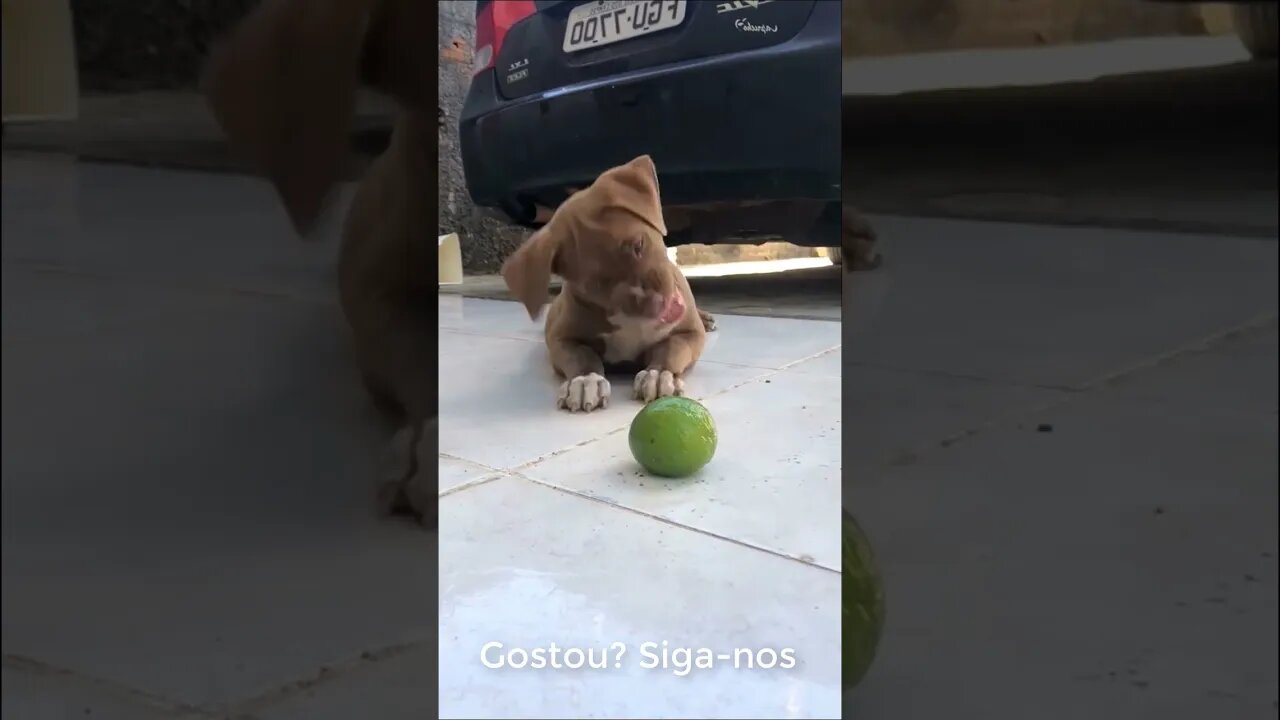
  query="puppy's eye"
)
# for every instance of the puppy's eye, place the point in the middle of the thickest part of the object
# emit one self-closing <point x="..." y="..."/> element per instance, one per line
<point x="634" y="246"/>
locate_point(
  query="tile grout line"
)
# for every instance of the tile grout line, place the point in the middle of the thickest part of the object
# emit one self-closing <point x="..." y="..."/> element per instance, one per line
<point x="459" y="458"/>
<point x="516" y="469"/>
<point x="763" y="374"/>
<point x="672" y="523"/>
<point x="253" y="703"/>
<point x="32" y="666"/>
<point x="1201" y="345"/>
<point x="815" y="356"/>
<point x="1204" y="344"/>
<point x="324" y="675"/>
<point x="556" y="453"/>
<point x="490" y="474"/>
<point x="473" y="482"/>
<point x="517" y="472"/>
<point x="742" y="366"/>
<point x="961" y="376"/>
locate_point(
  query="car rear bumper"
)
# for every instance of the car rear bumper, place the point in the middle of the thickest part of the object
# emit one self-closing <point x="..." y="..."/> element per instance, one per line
<point x="748" y="126"/>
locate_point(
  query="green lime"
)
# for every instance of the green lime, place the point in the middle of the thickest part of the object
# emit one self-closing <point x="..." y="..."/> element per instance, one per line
<point x="673" y="437"/>
<point x="863" y="603"/>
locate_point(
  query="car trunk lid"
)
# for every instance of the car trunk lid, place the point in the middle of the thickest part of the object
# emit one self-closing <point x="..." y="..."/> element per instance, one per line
<point x="556" y="43"/>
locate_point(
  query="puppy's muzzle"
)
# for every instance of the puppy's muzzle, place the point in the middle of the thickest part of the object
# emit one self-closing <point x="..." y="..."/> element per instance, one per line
<point x="671" y="310"/>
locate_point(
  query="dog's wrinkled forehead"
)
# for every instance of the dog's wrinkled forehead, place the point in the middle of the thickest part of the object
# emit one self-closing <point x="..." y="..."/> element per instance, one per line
<point x="605" y="236"/>
<point x="626" y="190"/>
<point x="619" y="227"/>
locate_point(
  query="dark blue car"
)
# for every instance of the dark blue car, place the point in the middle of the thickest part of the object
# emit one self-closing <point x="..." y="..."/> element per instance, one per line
<point x="738" y="103"/>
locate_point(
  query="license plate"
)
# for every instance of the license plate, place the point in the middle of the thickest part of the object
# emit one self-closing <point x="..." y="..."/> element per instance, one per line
<point x="606" y="22"/>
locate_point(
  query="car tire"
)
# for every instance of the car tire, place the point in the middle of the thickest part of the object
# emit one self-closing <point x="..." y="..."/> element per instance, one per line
<point x="518" y="211"/>
<point x="1256" y="24"/>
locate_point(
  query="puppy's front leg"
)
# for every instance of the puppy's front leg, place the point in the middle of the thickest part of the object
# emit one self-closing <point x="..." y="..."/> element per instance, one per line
<point x="858" y="241"/>
<point x="667" y="362"/>
<point x="410" y="477"/>
<point x="585" y="387"/>
<point x="399" y="358"/>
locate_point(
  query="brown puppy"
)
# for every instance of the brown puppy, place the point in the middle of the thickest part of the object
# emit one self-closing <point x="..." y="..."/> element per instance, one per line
<point x="283" y="87"/>
<point x="623" y="302"/>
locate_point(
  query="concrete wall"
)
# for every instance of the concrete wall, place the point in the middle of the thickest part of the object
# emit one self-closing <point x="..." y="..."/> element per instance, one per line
<point x="889" y="27"/>
<point x="485" y="241"/>
<point x="125" y="45"/>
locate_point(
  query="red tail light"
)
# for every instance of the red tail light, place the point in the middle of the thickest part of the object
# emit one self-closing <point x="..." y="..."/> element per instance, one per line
<point x="493" y="20"/>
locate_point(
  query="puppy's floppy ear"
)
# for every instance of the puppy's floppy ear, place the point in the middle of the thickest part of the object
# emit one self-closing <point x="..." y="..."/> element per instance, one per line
<point x="283" y="86"/>
<point x="528" y="271"/>
<point x="634" y="188"/>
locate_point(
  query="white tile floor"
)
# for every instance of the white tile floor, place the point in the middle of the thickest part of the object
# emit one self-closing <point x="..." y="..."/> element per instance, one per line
<point x="188" y="532"/>
<point x="550" y="533"/>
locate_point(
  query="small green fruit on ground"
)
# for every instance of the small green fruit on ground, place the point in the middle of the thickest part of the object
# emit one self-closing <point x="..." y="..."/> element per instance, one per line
<point x="673" y="437"/>
<point x="862" y="601"/>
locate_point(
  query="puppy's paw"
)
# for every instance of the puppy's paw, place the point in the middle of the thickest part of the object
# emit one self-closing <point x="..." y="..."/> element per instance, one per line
<point x="859" y="242"/>
<point x="584" y="393"/>
<point x="869" y="260"/>
<point x="408" y="483"/>
<point x="708" y="322"/>
<point x="653" y="384"/>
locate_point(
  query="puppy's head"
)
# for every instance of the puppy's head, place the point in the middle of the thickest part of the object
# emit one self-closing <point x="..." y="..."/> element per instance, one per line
<point x="283" y="85"/>
<point x="606" y="242"/>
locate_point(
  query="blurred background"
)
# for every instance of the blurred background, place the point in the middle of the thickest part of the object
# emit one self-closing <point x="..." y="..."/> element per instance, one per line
<point x="1118" y="112"/>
